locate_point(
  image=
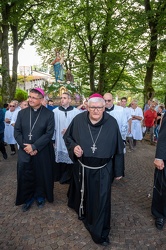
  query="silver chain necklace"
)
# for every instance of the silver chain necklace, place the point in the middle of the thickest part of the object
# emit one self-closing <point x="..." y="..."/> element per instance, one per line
<point x="30" y="133"/>
<point x="94" y="142"/>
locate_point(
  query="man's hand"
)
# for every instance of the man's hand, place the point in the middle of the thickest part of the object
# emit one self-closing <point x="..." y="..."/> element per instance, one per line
<point x="7" y="120"/>
<point x="78" y="151"/>
<point x="33" y="153"/>
<point x="159" y="164"/>
<point x="28" y="148"/>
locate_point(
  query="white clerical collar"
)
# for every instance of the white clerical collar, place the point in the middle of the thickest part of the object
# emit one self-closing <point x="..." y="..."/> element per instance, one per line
<point x="36" y="109"/>
<point x="111" y="107"/>
<point x="65" y="107"/>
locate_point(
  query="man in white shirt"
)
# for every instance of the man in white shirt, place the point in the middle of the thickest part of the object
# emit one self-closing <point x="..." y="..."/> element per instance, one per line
<point x="127" y="111"/>
<point x="63" y="116"/>
<point x="118" y="113"/>
<point x="136" y="126"/>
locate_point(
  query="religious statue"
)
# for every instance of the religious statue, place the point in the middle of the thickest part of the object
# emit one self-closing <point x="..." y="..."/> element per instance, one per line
<point x="58" y="65"/>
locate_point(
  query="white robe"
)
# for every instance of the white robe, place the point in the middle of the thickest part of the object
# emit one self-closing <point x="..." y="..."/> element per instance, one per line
<point x="128" y="113"/>
<point x="136" y="127"/>
<point x="119" y="114"/>
<point x="9" y="129"/>
<point x="129" y="117"/>
<point x="62" y="121"/>
<point x="14" y="116"/>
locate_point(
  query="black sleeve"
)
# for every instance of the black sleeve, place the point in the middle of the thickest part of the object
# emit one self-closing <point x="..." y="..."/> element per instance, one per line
<point x="18" y="131"/>
<point x="70" y="141"/>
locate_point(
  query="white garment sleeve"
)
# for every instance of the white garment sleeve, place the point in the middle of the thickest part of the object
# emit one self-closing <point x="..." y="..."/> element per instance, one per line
<point x="124" y="126"/>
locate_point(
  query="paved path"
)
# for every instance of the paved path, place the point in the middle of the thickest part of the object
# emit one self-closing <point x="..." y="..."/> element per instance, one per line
<point x="57" y="227"/>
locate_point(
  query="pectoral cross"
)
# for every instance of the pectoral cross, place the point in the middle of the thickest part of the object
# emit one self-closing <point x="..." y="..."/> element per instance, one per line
<point x="93" y="148"/>
<point x="30" y="136"/>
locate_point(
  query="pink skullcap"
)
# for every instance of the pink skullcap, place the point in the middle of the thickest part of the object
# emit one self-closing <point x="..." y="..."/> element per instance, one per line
<point x="95" y="95"/>
<point x="41" y="91"/>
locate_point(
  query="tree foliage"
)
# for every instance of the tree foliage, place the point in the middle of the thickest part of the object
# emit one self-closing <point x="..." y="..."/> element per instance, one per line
<point x="108" y="45"/>
<point x="17" y="21"/>
<point x="20" y="95"/>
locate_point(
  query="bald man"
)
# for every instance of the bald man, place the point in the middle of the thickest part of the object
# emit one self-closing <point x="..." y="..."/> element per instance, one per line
<point x="118" y="113"/>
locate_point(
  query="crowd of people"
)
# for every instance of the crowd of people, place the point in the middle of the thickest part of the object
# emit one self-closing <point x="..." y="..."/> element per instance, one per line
<point x="84" y="147"/>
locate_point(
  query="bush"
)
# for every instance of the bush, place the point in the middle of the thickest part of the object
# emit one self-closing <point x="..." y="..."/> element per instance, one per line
<point x="20" y="95"/>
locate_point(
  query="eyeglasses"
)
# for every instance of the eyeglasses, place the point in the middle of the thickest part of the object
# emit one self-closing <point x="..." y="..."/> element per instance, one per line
<point x="12" y="106"/>
<point x="34" y="98"/>
<point x="96" y="108"/>
<point x="107" y="100"/>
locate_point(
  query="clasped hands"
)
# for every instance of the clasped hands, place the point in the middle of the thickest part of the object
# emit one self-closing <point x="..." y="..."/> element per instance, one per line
<point x="28" y="149"/>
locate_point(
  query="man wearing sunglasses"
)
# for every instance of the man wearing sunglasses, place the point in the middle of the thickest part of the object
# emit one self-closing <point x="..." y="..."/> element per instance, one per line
<point x="118" y="113"/>
<point x="9" y="130"/>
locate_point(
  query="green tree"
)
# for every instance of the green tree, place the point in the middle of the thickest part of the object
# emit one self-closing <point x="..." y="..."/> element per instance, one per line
<point x="17" y="21"/>
<point x="20" y="95"/>
<point x="91" y="33"/>
<point x="156" y="18"/>
<point x="108" y="45"/>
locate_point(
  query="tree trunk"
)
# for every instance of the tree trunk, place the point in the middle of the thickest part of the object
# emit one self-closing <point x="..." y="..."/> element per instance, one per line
<point x="153" y="23"/>
<point x="102" y="70"/>
<point x="6" y="81"/>
<point x="105" y="43"/>
<point x="91" y="52"/>
<point x="148" y="88"/>
<point x="91" y="75"/>
<point x="15" y="60"/>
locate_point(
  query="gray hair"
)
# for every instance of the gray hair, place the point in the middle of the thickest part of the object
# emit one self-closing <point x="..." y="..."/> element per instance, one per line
<point x="135" y="101"/>
<point x="96" y="99"/>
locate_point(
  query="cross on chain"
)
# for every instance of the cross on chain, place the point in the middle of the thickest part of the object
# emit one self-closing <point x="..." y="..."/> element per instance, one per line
<point x="30" y="136"/>
<point x="93" y="148"/>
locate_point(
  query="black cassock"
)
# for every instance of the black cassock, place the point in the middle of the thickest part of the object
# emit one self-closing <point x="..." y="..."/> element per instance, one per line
<point x="96" y="209"/>
<point x="35" y="173"/>
<point x="159" y="191"/>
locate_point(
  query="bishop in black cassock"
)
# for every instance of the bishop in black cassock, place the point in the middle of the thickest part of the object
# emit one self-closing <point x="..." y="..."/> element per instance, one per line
<point x="159" y="191"/>
<point x="99" y="160"/>
<point x="34" y="127"/>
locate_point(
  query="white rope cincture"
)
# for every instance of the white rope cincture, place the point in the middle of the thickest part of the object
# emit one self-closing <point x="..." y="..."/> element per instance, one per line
<point x="81" y="208"/>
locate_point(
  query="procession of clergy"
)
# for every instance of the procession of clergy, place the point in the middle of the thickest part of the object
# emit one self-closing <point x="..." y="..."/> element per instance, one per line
<point x="83" y="146"/>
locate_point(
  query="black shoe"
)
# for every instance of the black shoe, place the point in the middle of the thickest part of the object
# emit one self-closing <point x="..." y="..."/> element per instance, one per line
<point x="81" y="217"/>
<point x="5" y="155"/>
<point x="26" y="207"/>
<point x="41" y="203"/>
<point x="159" y="223"/>
<point x="13" y="152"/>
<point x="105" y="242"/>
